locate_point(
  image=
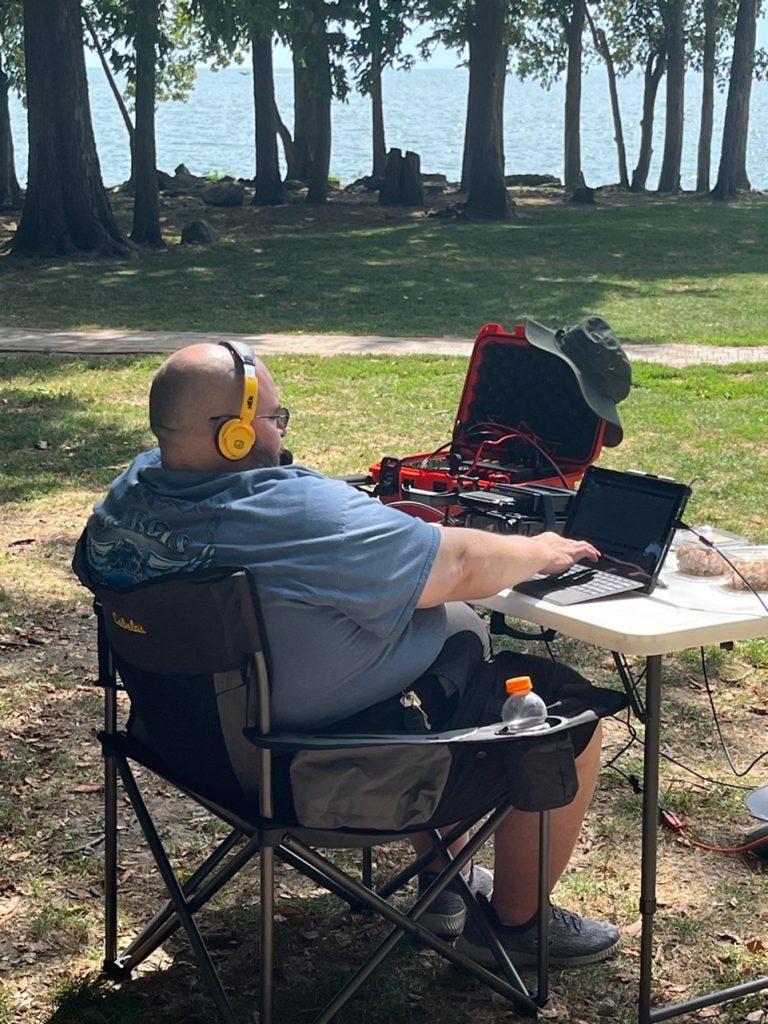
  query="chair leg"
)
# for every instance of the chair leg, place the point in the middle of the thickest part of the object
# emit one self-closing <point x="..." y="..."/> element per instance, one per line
<point x="366" y="867"/>
<point x="110" y="861"/>
<point x="397" y="881"/>
<point x="301" y="865"/>
<point x="176" y="894"/>
<point x="267" y="950"/>
<point x="510" y="986"/>
<point x="198" y="889"/>
<point x="542" y="981"/>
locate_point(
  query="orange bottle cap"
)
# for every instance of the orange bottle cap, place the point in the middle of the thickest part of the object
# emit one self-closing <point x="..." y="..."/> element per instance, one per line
<point x="519" y="684"/>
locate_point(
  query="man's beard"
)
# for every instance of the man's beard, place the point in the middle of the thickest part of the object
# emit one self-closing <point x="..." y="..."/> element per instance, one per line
<point x="262" y="457"/>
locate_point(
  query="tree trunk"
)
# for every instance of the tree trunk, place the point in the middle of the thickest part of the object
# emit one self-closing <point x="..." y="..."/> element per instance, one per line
<point x="377" y="116"/>
<point x="704" y="156"/>
<point x="654" y="70"/>
<point x="572" y="176"/>
<point x="288" y="147"/>
<point x="320" y="91"/>
<point x="320" y="154"/>
<point x="146" y="204"/>
<point x="11" y="196"/>
<point x="109" y="76"/>
<point x="487" y="190"/>
<point x="66" y="208"/>
<point x="471" y="105"/>
<point x="672" y="14"/>
<point x="303" y="126"/>
<point x="732" y="173"/>
<point x="602" y="47"/>
<point x="377" y="101"/>
<point x="268" y="184"/>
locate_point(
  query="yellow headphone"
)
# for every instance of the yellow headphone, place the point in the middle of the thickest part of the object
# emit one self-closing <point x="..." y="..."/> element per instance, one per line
<point x="236" y="437"/>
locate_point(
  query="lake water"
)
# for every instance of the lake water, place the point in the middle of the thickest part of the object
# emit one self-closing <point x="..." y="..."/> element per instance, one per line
<point x="424" y="111"/>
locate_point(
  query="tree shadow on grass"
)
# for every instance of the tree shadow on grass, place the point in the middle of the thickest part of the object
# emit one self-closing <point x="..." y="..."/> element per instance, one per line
<point x="59" y="443"/>
<point x="314" y="958"/>
<point x="315" y="952"/>
<point x="372" y="278"/>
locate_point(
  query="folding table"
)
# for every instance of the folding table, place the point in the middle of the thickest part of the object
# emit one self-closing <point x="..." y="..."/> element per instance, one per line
<point x="682" y="612"/>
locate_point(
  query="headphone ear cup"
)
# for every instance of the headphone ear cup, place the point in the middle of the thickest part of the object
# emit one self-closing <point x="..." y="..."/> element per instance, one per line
<point x="235" y="439"/>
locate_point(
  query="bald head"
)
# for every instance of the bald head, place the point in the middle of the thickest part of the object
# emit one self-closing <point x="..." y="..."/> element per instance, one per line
<point x="192" y="393"/>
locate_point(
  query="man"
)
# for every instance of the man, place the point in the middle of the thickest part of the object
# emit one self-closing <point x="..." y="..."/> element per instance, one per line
<point x="357" y="598"/>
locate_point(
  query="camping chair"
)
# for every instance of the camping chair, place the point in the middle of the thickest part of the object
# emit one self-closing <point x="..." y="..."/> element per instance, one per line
<point x="190" y="652"/>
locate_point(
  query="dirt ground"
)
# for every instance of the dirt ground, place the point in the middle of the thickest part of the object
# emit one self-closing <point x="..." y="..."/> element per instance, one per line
<point x="50" y="881"/>
<point x="356" y="206"/>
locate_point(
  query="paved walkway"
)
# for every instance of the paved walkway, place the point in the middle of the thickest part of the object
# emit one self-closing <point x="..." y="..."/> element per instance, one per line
<point x="119" y="342"/>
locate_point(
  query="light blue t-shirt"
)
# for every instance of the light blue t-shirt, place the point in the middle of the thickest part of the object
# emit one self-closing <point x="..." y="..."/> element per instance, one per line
<point x="339" y="574"/>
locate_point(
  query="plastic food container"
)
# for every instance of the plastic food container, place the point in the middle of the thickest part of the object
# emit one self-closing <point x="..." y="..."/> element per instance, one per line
<point x="696" y="558"/>
<point x="752" y="563"/>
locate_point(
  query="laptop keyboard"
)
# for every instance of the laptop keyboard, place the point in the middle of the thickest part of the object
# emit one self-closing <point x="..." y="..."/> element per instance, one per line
<point x="590" y="582"/>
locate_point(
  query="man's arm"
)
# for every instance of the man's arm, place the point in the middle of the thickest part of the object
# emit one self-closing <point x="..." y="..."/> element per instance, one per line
<point x="473" y="564"/>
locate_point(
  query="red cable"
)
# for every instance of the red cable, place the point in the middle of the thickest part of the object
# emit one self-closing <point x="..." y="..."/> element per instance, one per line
<point x="671" y="821"/>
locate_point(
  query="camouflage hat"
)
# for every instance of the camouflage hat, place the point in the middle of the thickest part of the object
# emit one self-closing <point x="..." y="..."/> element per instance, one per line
<point x="598" y="361"/>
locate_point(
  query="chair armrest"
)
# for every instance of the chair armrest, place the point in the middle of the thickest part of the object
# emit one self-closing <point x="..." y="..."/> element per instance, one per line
<point x="290" y="742"/>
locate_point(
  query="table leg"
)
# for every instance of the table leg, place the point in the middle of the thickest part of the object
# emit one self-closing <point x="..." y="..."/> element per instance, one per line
<point x="650" y="830"/>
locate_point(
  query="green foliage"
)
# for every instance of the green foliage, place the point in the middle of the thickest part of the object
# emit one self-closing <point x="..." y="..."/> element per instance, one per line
<point x="178" y="46"/>
<point x="12" y="43"/>
<point x="219" y="175"/>
<point x="635" y="32"/>
<point x="380" y="30"/>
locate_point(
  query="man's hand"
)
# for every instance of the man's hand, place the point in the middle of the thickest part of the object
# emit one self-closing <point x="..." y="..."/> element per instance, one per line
<point x="564" y="553"/>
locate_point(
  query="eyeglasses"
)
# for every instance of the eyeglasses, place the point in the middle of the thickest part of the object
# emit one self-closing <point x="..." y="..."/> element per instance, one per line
<point x="281" y="415"/>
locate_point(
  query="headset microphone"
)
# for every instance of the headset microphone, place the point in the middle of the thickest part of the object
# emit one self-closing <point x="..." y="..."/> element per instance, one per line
<point x="236" y="436"/>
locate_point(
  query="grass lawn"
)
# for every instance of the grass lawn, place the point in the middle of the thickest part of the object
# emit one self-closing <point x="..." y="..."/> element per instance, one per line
<point x="660" y="270"/>
<point x="67" y="426"/>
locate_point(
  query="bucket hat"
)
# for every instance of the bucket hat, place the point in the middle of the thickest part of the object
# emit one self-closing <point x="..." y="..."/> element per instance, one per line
<point x="598" y="361"/>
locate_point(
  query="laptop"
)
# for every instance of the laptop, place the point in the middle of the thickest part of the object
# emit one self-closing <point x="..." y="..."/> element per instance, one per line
<point x="630" y="518"/>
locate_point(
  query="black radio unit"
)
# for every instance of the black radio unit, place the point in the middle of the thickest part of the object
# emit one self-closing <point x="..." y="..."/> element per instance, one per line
<point x="506" y="508"/>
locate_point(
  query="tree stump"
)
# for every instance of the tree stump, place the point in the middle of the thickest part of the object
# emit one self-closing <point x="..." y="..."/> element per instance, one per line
<point x="402" y="180"/>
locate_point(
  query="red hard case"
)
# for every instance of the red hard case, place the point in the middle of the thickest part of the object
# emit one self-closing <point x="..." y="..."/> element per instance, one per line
<point x="522" y="420"/>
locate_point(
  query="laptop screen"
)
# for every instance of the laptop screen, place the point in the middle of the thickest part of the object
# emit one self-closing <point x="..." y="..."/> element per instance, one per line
<point x="629" y="517"/>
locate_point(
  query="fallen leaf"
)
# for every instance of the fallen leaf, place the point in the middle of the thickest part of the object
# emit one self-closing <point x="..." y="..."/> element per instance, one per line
<point x="633" y="929"/>
<point x="86" y="788"/>
<point x="755" y="946"/>
<point x="9" y="906"/>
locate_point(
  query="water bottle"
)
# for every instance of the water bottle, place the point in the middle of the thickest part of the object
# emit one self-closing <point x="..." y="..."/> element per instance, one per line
<point x="523" y="709"/>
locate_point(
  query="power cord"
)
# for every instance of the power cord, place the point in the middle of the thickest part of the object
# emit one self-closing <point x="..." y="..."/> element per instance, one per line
<point x="710" y="544"/>
<point x="512" y="434"/>
<point x="671" y="821"/>
<point x="716" y="719"/>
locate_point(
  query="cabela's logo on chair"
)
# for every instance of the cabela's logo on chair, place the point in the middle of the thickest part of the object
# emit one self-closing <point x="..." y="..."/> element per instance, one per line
<point x="128" y="624"/>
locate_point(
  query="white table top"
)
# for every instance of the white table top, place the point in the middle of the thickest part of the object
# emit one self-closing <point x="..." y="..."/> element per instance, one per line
<point x="683" y="611"/>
